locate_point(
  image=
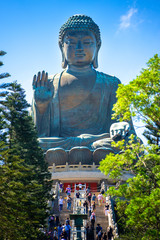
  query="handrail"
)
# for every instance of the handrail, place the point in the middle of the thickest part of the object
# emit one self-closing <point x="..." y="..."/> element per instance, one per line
<point x="111" y="214"/>
<point x="77" y="208"/>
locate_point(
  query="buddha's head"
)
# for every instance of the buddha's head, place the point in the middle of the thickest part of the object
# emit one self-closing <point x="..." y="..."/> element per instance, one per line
<point x="79" y="41"/>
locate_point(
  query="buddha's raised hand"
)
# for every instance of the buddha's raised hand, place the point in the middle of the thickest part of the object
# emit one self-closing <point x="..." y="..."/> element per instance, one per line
<point x="43" y="90"/>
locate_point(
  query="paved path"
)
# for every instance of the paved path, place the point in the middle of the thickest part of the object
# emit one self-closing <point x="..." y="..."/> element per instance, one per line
<point x="100" y="216"/>
<point x="65" y="212"/>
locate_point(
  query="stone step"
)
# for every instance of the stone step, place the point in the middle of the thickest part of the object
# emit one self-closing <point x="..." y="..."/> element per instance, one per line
<point x="64" y="214"/>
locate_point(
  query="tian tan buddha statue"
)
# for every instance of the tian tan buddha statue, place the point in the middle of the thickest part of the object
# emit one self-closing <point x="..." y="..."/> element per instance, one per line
<point x="72" y="110"/>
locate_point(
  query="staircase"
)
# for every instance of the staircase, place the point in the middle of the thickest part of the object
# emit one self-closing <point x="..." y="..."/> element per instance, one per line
<point x="64" y="214"/>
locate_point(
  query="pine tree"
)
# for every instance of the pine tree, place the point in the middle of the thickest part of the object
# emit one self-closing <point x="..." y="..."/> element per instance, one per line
<point x="3" y="93"/>
<point x="3" y="75"/>
<point x="24" y="177"/>
<point x="23" y="138"/>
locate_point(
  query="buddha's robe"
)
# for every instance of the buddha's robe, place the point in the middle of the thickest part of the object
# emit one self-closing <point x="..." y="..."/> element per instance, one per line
<point x="82" y="125"/>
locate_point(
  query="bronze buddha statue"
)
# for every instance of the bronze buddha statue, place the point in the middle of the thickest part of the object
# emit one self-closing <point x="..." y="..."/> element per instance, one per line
<point x="72" y="111"/>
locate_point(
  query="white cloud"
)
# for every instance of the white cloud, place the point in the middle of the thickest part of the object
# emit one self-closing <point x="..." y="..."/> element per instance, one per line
<point x="125" y="20"/>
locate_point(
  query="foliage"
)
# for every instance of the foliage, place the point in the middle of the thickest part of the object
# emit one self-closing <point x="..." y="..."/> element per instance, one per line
<point x="3" y="75"/>
<point x="138" y="200"/>
<point x="141" y="97"/>
<point x="24" y="177"/>
<point x="3" y="93"/>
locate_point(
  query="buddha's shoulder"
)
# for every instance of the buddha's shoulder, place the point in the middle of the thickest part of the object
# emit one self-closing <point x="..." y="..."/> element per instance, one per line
<point x="108" y="78"/>
<point x="52" y="77"/>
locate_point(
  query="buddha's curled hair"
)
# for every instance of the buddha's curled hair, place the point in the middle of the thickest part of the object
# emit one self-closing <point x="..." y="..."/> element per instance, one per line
<point x="80" y="23"/>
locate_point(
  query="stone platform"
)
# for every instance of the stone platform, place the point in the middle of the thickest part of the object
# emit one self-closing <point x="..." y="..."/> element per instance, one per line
<point x="79" y="172"/>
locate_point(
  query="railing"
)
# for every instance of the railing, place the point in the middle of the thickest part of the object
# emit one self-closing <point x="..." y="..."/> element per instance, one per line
<point x="74" y="233"/>
<point x="78" y="202"/>
<point x="76" y="167"/>
<point x="55" y="193"/>
<point x="111" y="214"/>
<point x="78" y="208"/>
<point x="111" y="217"/>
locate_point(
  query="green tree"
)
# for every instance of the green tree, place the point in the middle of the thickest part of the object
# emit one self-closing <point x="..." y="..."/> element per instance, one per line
<point x="3" y="94"/>
<point x="15" y="222"/>
<point x="23" y="138"/>
<point x="24" y="177"/>
<point x="141" y="98"/>
<point x="3" y="75"/>
<point x="138" y="201"/>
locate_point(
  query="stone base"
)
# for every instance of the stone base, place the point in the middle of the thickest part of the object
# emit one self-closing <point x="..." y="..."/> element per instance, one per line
<point x="80" y="175"/>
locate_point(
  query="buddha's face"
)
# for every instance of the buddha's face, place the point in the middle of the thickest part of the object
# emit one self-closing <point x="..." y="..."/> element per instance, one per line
<point x="79" y="48"/>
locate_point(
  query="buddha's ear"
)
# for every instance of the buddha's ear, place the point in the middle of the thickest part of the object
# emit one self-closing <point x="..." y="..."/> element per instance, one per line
<point x="95" y="60"/>
<point x="64" y="61"/>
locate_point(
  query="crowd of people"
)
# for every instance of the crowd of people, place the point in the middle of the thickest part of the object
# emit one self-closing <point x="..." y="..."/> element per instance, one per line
<point x="90" y="208"/>
<point x="58" y="231"/>
<point x="100" y="234"/>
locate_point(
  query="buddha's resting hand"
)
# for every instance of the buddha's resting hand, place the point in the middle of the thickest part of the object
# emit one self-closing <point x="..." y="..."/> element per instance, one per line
<point x="43" y="90"/>
<point x="119" y="130"/>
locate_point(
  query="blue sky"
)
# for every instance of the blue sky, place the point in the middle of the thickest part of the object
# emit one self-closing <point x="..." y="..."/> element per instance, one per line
<point x="130" y="32"/>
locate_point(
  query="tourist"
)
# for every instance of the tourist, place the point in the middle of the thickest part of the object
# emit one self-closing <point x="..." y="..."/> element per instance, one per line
<point x="94" y="206"/>
<point x="77" y="194"/>
<point x="55" y="234"/>
<point x="87" y="191"/>
<point x="90" y="210"/>
<point x="50" y="234"/>
<point x="98" y="228"/>
<point x="60" y="202"/>
<point x="69" y="202"/>
<point x="109" y="233"/>
<point x="63" y="235"/>
<point x="61" y="187"/>
<point x="52" y="202"/>
<point x="100" y="198"/>
<point x="80" y="186"/>
<point x="99" y="235"/>
<point x="57" y="221"/>
<point x="68" y="231"/>
<point x="67" y="221"/>
<point x="94" y="197"/>
<point x="59" y="231"/>
<point x="63" y="225"/>
<point x="89" y="232"/>
<point x="51" y="222"/>
<point x="93" y="219"/>
<point x="106" y="209"/>
<point x="104" y="236"/>
<point x="102" y="191"/>
<point x="68" y="190"/>
<point x="85" y="205"/>
<point x="89" y="197"/>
